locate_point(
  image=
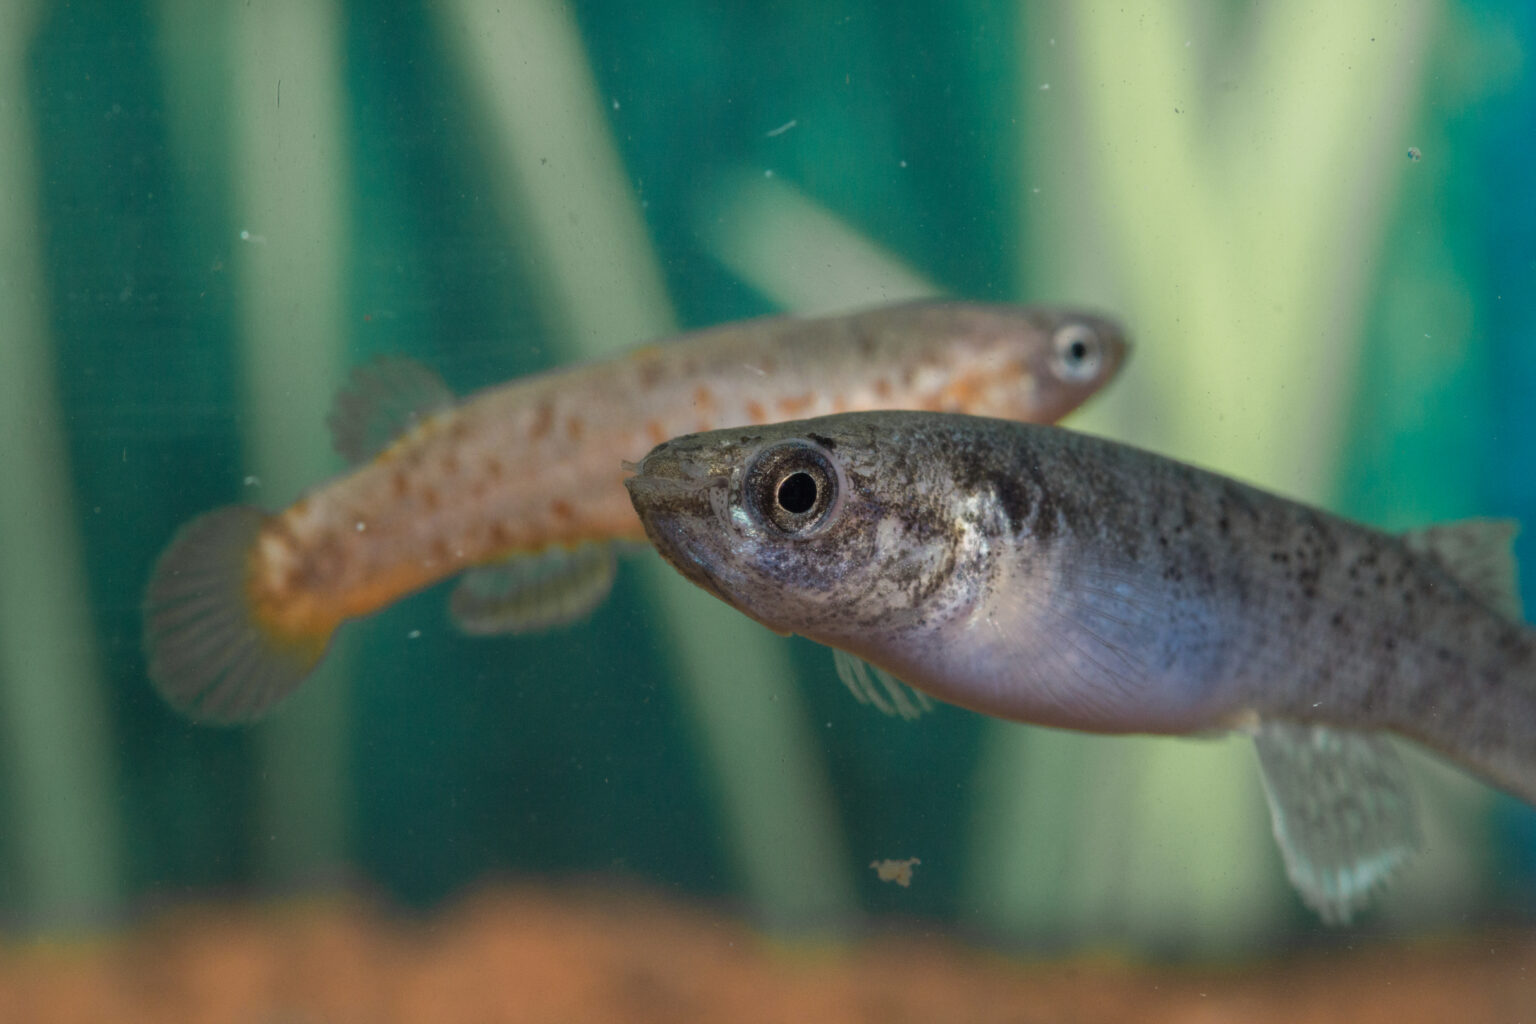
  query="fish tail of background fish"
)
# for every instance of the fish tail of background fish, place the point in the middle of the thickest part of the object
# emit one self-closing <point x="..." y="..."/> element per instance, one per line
<point x="217" y="650"/>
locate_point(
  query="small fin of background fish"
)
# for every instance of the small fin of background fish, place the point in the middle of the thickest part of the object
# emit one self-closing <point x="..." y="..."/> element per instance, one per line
<point x="1343" y="812"/>
<point x="382" y="401"/>
<point x="528" y="593"/>
<point x="891" y="696"/>
<point x="210" y="656"/>
<point x="1479" y="553"/>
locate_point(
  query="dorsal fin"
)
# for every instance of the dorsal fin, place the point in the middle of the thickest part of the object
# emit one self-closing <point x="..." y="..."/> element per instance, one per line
<point x="531" y="592"/>
<point x="381" y="400"/>
<point x="1478" y="552"/>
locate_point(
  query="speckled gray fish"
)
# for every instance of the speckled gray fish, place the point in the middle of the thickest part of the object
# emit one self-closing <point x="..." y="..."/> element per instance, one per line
<point x="1050" y="577"/>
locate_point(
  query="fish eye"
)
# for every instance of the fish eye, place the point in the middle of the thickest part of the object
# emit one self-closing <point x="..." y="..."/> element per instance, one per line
<point x="790" y="488"/>
<point x="1078" y="352"/>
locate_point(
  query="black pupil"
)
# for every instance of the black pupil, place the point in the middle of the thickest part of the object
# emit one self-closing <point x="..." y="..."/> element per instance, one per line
<point x="1078" y="350"/>
<point x="797" y="493"/>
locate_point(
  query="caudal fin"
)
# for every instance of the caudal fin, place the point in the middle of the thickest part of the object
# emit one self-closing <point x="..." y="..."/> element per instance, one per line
<point x="209" y="655"/>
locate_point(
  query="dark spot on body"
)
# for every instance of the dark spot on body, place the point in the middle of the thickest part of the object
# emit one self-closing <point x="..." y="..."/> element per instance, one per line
<point x="651" y="372"/>
<point x="826" y="442"/>
<point x="543" y="419"/>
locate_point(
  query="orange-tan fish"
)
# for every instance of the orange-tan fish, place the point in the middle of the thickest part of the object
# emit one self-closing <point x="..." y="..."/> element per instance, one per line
<point x="522" y="484"/>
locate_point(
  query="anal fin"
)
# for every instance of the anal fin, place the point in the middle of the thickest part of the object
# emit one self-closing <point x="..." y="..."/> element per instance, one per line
<point x="528" y="593"/>
<point x="1343" y="812"/>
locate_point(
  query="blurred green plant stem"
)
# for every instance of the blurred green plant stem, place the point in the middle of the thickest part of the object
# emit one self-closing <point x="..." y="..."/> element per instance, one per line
<point x="57" y="749"/>
<point x="290" y="148"/>
<point x="581" y="231"/>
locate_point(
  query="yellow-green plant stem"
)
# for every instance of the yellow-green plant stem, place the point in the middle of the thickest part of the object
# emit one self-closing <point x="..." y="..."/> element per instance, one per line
<point x="57" y="751"/>
<point x="584" y="236"/>
<point x="1224" y="190"/>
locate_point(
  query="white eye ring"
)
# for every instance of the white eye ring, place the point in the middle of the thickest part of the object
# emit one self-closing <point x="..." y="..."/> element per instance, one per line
<point x="1079" y="352"/>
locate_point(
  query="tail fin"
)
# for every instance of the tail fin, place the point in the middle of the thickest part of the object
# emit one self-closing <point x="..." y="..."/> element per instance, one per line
<point x="210" y="656"/>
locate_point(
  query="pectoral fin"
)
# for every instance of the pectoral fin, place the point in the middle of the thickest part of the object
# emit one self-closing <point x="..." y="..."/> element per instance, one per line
<point x="1343" y="812"/>
<point x="871" y="685"/>
<point x="533" y="592"/>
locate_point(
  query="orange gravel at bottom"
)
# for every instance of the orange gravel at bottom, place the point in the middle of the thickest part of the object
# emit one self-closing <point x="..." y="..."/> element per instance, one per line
<point x="540" y="955"/>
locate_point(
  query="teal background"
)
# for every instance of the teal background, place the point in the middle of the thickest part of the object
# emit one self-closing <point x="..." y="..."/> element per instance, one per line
<point x="455" y="760"/>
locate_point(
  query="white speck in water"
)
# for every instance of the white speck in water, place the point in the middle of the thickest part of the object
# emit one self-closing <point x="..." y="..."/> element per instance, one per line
<point x="755" y="369"/>
<point x="768" y="174"/>
<point x="1045" y="86"/>
<point x="254" y="239"/>
<point x="414" y="634"/>
<point x="615" y="104"/>
<point x="786" y="126"/>
<point x="253" y="481"/>
<point x="1415" y="154"/>
<point x="361" y="526"/>
<point x="903" y="163"/>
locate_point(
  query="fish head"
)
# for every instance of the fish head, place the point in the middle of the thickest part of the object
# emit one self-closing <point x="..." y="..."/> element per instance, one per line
<point x="1030" y="363"/>
<point x="831" y="528"/>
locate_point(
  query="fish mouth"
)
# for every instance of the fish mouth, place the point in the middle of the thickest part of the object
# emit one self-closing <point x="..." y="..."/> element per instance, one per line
<point x="669" y="488"/>
<point x="669" y="493"/>
<point x="678" y="502"/>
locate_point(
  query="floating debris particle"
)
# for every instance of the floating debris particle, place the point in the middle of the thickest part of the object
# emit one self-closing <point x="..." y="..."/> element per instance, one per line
<point x="786" y="126"/>
<point x="898" y="871"/>
<point x="1415" y="154"/>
